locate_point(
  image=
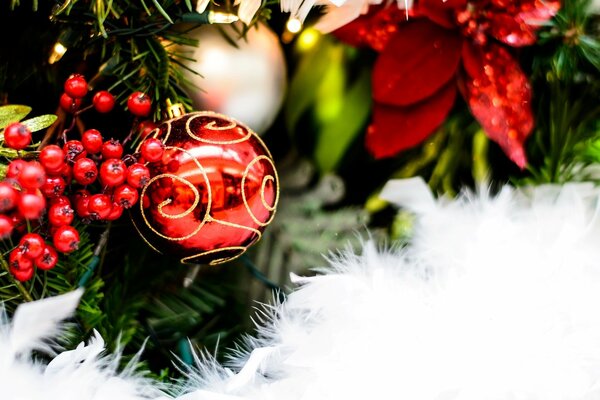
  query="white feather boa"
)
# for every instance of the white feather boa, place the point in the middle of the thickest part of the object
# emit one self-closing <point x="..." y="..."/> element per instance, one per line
<point x="495" y="298"/>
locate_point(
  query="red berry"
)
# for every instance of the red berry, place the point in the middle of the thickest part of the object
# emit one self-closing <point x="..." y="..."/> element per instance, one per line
<point x="53" y="187"/>
<point x="20" y="266"/>
<point x="76" y="86"/>
<point x="81" y="199"/>
<point x="14" y="168"/>
<point x="65" y="172"/>
<point x="22" y="275"/>
<point x="68" y="103"/>
<point x="138" y="175"/>
<point x="31" y="205"/>
<point x="60" y="214"/>
<point x="48" y="259"/>
<point x="52" y="157"/>
<point x="17" y="136"/>
<point x="33" y="176"/>
<point x="8" y="197"/>
<point x="152" y="149"/>
<point x="103" y="101"/>
<point x="115" y="212"/>
<point x="99" y="206"/>
<point x="85" y="171"/>
<point x="112" y="149"/>
<point x="146" y="127"/>
<point x="113" y="172"/>
<point x="139" y="104"/>
<point x="6" y="226"/>
<point x="92" y="141"/>
<point x="74" y="150"/>
<point x="62" y="200"/>
<point x="126" y="196"/>
<point x="66" y="239"/>
<point x="32" y="245"/>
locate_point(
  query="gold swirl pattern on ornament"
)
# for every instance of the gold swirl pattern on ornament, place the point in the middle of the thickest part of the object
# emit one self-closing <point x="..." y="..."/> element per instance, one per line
<point x="206" y="217"/>
<point x="267" y="179"/>
<point x="211" y="126"/>
<point x="217" y="261"/>
<point x="262" y="190"/>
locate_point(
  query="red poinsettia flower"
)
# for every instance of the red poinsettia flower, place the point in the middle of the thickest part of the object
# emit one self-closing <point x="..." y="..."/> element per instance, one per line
<point x="443" y="46"/>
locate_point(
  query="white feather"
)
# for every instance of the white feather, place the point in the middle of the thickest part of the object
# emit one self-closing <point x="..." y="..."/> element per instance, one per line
<point x="45" y="316"/>
<point x="495" y="298"/>
<point x="79" y="374"/>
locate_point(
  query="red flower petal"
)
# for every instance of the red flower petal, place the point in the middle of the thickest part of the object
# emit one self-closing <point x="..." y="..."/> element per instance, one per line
<point x="511" y="30"/>
<point x="420" y="59"/>
<point x="536" y="12"/>
<point x="500" y="98"/>
<point x="439" y="11"/>
<point x="399" y="128"/>
<point x="472" y="60"/>
<point x="518" y="26"/>
<point x="354" y="33"/>
<point x="374" y="29"/>
<point x="384" y="25"/>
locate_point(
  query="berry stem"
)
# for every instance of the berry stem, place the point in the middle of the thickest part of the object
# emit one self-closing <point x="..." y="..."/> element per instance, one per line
<point x="18" y="284"/>
<point x="84" y="109"/>
<point x="134" y="127"/>
<point x="69" y="129"/>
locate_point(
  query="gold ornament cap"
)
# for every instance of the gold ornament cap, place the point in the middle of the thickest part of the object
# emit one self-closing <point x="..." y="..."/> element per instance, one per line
<point x="173" y="110"/>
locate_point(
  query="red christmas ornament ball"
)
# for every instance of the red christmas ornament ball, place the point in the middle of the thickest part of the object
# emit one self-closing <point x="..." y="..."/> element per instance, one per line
<point x="212" y="193"/>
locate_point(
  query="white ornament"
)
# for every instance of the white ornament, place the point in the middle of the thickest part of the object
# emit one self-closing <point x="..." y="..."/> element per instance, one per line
<point x="247" y="82"/>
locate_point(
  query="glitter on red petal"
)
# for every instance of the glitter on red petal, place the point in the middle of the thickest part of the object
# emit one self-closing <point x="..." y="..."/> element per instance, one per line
<point x="373" y="29"/>
<point x="420" y="59"/>
<point x="517" y="24"/>
<point x="536" y="12"/>
<point x="399" y="128"/>
<point x="500" y="99"/>
<point x="512" y="31"/>
<point x="383" y="26"/>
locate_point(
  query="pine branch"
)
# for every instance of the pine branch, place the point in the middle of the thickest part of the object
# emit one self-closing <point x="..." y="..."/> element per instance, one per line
<point x="566" y="73"/>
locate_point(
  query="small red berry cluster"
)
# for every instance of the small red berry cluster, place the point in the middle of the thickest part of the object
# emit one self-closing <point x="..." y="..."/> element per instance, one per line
<point x="76" y="88"/>
<point x="90" y="178"/>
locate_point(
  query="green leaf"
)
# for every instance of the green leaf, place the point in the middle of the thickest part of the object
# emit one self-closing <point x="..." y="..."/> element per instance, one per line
<point x="38" y="123"/>
<point x="162" y="11"/>
<point x="481" y="168"/>
<point x="12" y="113"/>
<point x="338" y="133"/>
<point x="330" y="93"/>
<point x="309" y="74"/>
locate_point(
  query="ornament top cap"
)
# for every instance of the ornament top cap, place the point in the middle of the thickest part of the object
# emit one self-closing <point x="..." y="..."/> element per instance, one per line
<point x="173" y="110"/>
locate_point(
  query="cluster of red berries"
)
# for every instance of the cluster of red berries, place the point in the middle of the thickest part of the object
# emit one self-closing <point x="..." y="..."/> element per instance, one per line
<point x="24" y="195"/>
<point x="59" y="186"/>
<point x="76" y="88"/>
